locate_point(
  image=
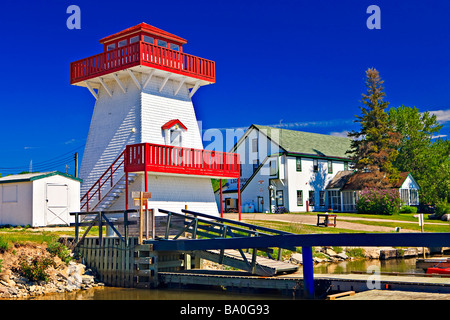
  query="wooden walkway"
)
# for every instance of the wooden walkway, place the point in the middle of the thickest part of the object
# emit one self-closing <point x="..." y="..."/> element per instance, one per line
<point x="264" y="267"/>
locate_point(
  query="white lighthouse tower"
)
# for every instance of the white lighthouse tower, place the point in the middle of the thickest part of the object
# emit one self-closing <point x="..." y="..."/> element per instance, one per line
<point x="144" y="134"/>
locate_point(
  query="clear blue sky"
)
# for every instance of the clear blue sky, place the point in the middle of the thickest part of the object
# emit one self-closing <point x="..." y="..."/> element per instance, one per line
<point x="300" y="63"/>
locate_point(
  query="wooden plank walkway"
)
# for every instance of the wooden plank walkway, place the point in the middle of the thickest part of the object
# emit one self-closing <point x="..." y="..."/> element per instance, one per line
<point x="233" y="258"/>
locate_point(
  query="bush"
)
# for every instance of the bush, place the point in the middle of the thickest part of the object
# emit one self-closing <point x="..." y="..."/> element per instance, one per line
<point x="378" y="201"/>
<point x="442" y="207"/>
<point x="60" y="250"/>
<point x="36" y="270"/>
<point x="408" y="209"/>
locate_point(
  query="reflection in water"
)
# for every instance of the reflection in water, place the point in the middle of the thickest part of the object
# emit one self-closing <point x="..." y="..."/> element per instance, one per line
<point x="111" y="293"/>
<point x="392" y="265"/>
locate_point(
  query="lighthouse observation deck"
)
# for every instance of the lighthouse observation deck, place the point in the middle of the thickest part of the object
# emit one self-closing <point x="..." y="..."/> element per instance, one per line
<point x="142" y="46"/>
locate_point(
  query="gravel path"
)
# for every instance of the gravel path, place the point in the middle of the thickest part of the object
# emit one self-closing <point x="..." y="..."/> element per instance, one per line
<point x="342" y="221"/>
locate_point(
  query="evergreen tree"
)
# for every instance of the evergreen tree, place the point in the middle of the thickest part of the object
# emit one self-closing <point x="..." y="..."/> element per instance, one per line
<point x="374" y="146"/>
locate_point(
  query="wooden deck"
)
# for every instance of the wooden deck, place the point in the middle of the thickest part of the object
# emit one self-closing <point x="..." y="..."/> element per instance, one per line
<point x="264" y="267"/>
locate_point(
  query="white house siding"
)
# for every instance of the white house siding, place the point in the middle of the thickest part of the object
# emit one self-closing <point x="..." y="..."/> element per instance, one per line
<point x="16" y="203"/>
<point x="307" y="180"/>
<point x="160" y="107"/>
<point x="111" y="130"/>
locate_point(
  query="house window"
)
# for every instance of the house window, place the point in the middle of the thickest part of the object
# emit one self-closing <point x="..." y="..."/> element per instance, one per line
<point x="280" y="200"/>
<point x="299" y="197"/>
<point x="345" y="165"/>
<point x="311" y="198"/>
<point x="404" y="196"/>
<point x="149" y="39"/>
<point x="414" y="196"/>
<point x="273" y="167"/>
<point x="122" y="43"/>
<point x="315" y="165"/>
<point x="330" y="166"/>
<point x="161" y="43"/>
<point x="298" y="164"/>
<point x="255" y="165"/>
<point x="254" y="145"/>
<point x="134" y="39"/>
<point x="174" y="47"/>
<point x="334" y="199"/>
<point x="322" y="198"/>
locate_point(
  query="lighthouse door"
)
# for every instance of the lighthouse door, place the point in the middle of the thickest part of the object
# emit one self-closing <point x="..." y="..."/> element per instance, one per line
<point x="57" y="208"/>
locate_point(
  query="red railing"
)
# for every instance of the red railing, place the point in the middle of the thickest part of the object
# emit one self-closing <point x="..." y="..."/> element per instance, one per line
<point x="148" y="157"/>
<point x="96" y="190"/>
<point x="146" y="54"/>
<point x="179" y="160"/>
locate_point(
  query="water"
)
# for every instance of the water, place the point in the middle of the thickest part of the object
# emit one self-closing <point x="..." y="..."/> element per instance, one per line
<point x="345" y="267"/>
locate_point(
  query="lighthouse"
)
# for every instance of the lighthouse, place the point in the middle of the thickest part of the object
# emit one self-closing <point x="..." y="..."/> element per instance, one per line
<point x="144" y="134"/>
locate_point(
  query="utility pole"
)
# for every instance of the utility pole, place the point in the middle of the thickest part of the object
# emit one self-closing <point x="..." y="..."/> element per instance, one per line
<point x="76" y="164"/>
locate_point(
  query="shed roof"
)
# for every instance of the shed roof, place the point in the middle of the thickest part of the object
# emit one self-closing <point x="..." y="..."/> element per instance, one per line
<point x="352" y="180"/>
<point x="307" y="143"/>
<point x="34" y="176"/>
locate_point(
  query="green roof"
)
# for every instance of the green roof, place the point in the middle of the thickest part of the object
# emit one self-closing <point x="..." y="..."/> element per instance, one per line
<point x="307" y="143"/>
<point x="34" y="176"/>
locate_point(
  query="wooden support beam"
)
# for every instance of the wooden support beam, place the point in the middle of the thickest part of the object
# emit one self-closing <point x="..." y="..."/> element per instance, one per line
<point x="196" y="86"/>
<point x="108" y="91"/>
<point x="119" y="82"/>
<point x="180" y="84"/>
<point x="91" y="90"/>
<point x="164" y="82"/>
<point x="148" y="79"/>
<point x="133" y="77"/>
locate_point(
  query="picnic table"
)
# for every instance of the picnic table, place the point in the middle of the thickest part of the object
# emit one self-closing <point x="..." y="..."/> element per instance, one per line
<point x="326" y="221"/>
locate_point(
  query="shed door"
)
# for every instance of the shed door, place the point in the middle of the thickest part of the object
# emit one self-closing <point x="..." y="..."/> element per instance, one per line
<point x="57" y="199"/>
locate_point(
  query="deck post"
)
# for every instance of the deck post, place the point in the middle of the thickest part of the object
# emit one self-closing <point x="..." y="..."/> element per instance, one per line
<point x="126" y="190"/>
<point x="308" y="272"/>
<point x="221" y="199"/>
<point x="239" y="197"/>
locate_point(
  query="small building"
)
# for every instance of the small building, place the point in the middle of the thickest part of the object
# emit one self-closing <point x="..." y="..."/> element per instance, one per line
<point x="343" y="190"/>
<point x="39" y="199"/>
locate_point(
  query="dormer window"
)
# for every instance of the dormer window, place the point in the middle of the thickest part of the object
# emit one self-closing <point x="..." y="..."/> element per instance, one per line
<point x="173" y="132"/>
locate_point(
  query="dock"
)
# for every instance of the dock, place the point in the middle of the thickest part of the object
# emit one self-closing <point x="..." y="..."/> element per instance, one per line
<point x="168" y="253"/>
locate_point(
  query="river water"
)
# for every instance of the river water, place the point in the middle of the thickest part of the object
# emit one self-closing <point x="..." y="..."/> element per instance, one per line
<point x="108" y="293"/>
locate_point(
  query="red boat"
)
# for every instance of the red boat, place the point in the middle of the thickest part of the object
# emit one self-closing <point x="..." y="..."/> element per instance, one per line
<point x="439" y="270"/>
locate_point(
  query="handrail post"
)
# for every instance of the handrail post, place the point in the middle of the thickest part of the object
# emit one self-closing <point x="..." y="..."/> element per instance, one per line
<point x="308" y="272"/>
<point x="100" y="229"/>
<point x="77" y="235"/>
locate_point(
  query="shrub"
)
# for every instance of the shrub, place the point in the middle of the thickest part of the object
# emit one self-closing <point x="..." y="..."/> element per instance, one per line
<point x="442" y="207"/>
<point x="60" y="250"/>
<point x="378" y="201"/>
<point x="36" y="270"/>
<point x="408" y="209"/>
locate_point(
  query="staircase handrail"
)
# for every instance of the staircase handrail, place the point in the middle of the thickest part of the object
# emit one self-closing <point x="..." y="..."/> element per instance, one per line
<point x="99" y="184"/>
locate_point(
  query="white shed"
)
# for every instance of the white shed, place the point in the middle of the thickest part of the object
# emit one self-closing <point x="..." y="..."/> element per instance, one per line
<point x="39" y="199"/>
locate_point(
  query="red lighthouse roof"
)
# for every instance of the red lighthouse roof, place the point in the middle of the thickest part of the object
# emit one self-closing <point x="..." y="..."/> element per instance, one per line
<point x="145" y="29"/>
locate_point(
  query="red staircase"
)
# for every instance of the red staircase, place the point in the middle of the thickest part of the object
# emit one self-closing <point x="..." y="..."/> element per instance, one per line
<point x="147" y="157"/>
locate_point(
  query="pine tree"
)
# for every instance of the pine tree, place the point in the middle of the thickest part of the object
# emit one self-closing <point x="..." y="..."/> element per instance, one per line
<point x="374" y="146"/>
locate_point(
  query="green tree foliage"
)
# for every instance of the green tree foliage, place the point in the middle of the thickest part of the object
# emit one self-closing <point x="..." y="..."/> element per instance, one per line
<point x="374" y="147"/>
<point x="427" y="159"/>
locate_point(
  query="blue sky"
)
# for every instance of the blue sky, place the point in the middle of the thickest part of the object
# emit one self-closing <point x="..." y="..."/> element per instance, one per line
<point x="299" y="63"/>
